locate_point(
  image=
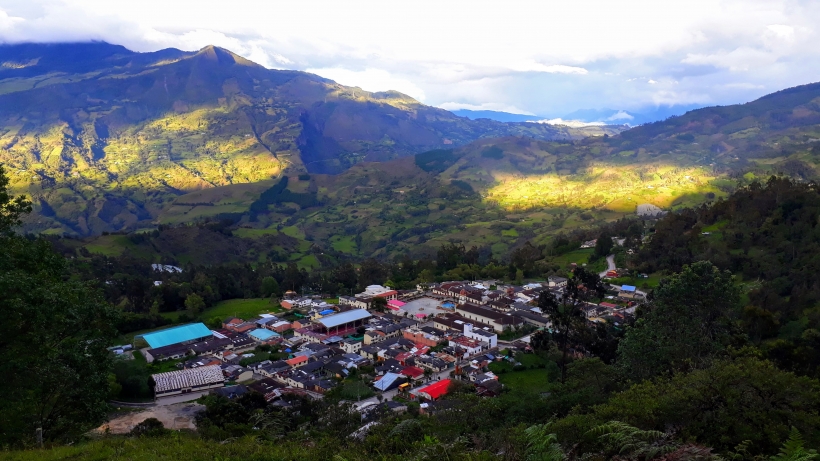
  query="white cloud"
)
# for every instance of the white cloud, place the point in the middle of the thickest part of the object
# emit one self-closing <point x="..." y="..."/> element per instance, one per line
<point x="539" y="57"/>
<point x="619" y="116"/>
<point x="371" y="80"/>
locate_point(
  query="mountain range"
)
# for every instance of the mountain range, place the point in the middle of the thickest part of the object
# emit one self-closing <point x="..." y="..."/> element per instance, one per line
<point x="104" y="138"/>
<point x="587" y="116"/>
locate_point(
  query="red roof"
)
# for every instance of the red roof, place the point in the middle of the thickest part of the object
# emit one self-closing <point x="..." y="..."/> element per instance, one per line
<point x="609" y="305"/>
<point x="436" y="390"/>
<point x="297" y="360"/>
<point x="413" y="372"/>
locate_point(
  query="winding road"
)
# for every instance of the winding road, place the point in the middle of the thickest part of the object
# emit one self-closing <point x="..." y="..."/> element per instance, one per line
<point x="610" y="262"/>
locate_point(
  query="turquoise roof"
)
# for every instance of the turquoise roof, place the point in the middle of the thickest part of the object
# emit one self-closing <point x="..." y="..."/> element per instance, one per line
<point x="176" y="335"/>
<point x="262" y="334"/>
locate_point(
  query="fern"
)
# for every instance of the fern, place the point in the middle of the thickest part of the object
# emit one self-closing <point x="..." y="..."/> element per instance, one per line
<point x="632" y="442"/>
<point x="793" y="449"/>
<point x="541" y="445"/>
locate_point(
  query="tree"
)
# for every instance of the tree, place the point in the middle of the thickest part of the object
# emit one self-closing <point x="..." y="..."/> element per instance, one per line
<point x="53" y="339"/>
<point x="378" y="304"/>
<point x="270" y="287"/>
<point x="721" y="406"/>
<point x="566" y="315"/>
<point x="194" y="304"/>
<point x="687" y="321"/>
<point x="603" y="246"/>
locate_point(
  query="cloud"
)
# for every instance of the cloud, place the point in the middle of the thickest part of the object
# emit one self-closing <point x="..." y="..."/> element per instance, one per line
<point x="371" y="80"/>
<point x="535" y="57"/>
<point x="619" y="116"/>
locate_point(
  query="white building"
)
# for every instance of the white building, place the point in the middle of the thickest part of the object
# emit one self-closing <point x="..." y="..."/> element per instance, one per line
<point x="480" y="335"/>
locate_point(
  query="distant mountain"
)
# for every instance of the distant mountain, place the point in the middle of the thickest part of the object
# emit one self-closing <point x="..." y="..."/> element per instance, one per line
<point x="614" y="117"/>
<point x="495" y="115"/>
<point x="104" y="138"/>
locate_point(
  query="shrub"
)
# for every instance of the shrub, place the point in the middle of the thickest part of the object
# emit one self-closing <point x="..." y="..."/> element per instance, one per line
<point x="151" y="427"/>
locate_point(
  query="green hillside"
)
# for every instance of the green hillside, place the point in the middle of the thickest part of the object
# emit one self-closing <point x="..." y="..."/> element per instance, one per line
<point x="106" y="139"/>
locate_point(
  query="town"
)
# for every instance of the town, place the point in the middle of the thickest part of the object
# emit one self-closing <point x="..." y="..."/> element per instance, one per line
<point x="392" y="346"/>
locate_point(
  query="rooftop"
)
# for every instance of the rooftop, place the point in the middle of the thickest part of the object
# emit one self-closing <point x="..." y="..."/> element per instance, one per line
<point x="191" y="377"/>
<point x="176" y="335"/>
<point x="344" y="317"/>
<point x="263" y="334"/>
<point x="436" y="390"/>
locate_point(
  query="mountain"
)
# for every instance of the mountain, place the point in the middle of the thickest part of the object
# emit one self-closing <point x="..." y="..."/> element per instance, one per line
<point x="496" y="115"/>
<point x="612" y="116"/>
<point x="104" y="138"/>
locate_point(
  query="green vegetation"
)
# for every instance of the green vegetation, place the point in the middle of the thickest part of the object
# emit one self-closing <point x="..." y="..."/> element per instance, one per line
<point x="242" y="308"/>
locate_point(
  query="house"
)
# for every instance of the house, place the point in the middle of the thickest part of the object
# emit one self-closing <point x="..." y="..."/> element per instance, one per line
<point x="297" y="361"/>
<point x="490" y="388"/>
<point x="434" y="364"/>
<point x="350" y="346"/>
<point x="500" y="322"/>
<point x="628" y="292"/>
<point x="268" y="387"/>
<point x="413" y="373"/>
<point x="237" y="373"/>
<point x="360" y="303"/>
<point x="187" y="381"/>
<point x="471" y="346"/>
<point x="553" y="281"/>
<point x="261" y="335"/>
<point x="395" y="304"/>
<point x="280" y="326"/>
<point x="389" y="381"/>
<point x="421" y="337"/>
<point x="231" y="392"/>
<point x="378" y="291"/>
<point x="486" y="337"/>
<point x="433" y="391"/>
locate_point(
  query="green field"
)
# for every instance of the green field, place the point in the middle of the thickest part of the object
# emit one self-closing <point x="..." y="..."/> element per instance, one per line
<point x="242" y="308"/>
<point x="531" y="379"/>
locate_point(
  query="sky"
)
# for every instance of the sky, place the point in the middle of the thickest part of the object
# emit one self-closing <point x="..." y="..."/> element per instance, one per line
<point x="547" y="58"/>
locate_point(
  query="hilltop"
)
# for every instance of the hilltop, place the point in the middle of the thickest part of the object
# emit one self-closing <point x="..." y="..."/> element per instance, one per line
<point x="104" y="138"/>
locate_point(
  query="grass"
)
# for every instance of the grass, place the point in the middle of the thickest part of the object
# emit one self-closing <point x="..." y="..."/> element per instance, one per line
<point x="578" y="256"/>
<point x="344" y="244"/>
<point x="531" y="379"/>
<point x="242" y="308"/>
<point x="183" y="446"/>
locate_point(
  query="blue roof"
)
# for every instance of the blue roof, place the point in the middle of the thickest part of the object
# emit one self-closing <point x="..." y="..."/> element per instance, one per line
<point x="262" y="334"/>
<point x="627" y="288"/>
<point x="176" y="335"/>
<point x="327" y="311"/>
<point x="387" y="381"/>
<point x="345" y="317"/>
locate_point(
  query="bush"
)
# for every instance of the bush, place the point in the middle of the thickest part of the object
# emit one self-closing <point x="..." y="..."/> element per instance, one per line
<point x="151" y="427"/>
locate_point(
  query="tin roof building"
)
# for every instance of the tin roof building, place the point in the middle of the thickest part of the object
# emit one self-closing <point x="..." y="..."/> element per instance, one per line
<point x="189" y="333"/>
<point x="187" y="381"/>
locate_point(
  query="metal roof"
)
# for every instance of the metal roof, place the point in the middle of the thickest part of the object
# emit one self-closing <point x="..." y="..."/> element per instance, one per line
<point x="344" y="317"/>
<point x="200" y="376"/>
<point x="387" y="381"/>
<point x="176" y="335"/>
<point x="262" y="334"/>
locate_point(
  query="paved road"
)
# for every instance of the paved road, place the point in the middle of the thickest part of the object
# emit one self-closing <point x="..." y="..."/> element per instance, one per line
<point x="610" y="262"/>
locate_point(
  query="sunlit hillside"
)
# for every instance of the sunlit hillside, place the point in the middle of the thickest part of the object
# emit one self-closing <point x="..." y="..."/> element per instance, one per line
<point x="106" y="139"/>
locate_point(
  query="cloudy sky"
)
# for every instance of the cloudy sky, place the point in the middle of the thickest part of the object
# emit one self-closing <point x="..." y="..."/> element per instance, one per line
<point x="542" y="57"/>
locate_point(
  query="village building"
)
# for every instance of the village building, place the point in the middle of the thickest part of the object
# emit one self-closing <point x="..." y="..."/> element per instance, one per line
<point x="187" y="381"/>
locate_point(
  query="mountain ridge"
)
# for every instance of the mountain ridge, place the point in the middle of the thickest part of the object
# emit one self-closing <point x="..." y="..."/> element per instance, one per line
<point x="106" y="140"/>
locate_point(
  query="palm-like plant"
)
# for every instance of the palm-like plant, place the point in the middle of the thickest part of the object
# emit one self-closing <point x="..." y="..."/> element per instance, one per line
<point x="542" y="445"/>
<point x="793" y="449"/>
<point x="633" y="443"/>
